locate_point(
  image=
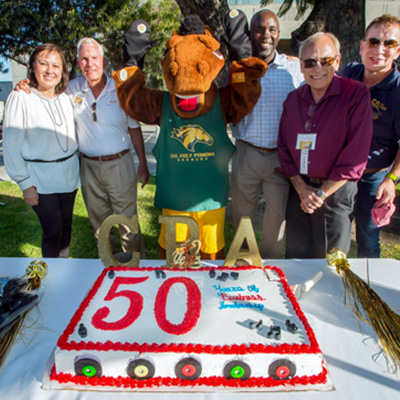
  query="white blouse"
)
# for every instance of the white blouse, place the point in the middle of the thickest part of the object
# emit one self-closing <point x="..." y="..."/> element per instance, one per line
<point x="38" y="129"/>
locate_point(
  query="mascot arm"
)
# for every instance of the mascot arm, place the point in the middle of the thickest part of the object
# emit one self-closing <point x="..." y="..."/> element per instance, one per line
<point x="140" y="103"/>
<point x="244" y="89"/>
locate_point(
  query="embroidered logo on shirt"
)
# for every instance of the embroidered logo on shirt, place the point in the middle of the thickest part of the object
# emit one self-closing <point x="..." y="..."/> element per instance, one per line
<point x="189" y="135"/>
<point x="238" y="77"/>
<point x="377" y="109"/>
<point x="78" y="100"/>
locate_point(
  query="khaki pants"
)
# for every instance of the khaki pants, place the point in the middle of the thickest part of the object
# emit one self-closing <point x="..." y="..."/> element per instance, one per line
<point x="253" y="170"/>
<point x="110" y="187"/>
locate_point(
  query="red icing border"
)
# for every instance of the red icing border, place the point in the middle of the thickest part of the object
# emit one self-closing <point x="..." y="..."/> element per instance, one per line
<point x="214" y="381"/>
<point x="64" y="344"/>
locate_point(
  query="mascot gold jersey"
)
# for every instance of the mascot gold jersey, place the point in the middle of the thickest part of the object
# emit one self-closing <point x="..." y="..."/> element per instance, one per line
<point x="193" y="149"/>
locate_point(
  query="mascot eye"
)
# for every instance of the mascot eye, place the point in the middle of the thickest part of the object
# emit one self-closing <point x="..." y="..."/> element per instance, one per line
<point x="173" y="68"/>
<point x="203" y="68"/>
<point x="218" y="54"/>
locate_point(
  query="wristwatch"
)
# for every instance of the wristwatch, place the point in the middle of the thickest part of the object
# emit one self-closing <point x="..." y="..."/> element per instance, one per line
<point x="393" y="177"/>
<point x="321" y="193"/>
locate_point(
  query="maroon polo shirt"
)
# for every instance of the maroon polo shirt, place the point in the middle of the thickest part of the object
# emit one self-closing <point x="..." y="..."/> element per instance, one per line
<point x="342" y="121"/>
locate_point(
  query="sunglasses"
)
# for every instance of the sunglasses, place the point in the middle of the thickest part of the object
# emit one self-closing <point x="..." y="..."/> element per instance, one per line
<point x="94" y="115"/>
<point x="375" y="42"/>
<point x="312" y="62"/>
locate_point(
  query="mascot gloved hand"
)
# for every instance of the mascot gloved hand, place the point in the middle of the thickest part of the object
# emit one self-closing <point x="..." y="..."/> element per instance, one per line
<point x="137" y="43"/>
<point x="193" y="149"/>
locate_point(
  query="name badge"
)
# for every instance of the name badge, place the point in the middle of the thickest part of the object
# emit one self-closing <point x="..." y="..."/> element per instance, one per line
<point x="305" y="143"/>
<point x="78" y="100"/>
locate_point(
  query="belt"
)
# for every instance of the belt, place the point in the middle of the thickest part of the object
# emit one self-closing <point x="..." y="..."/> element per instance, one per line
<point x="51" y="161"/>
<point x="108" y="157"/>
<point x="318" y="181"/>
<point x="264" y="149"/>
<point x="373" y="170"/>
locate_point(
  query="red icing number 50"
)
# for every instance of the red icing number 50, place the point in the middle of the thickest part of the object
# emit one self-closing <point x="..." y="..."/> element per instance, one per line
<point x="193" y="306"/>
<point x="136" y="305"/>
<point x="134" y="310"/>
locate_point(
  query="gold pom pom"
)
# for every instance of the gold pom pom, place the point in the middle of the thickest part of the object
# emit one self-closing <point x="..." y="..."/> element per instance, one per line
<point x="36" y="271"/>
<point x="369" y="307"/>
<point x="338" y="259"/>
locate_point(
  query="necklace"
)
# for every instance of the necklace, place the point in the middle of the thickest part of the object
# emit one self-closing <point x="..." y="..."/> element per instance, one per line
<point x="54" y="109"/>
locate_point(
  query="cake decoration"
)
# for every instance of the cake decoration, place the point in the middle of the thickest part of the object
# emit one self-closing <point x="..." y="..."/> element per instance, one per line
<point x="188" y="368"/>
<point x="173" y="334"/>
<point x="140" y="369"/>
<point x="274" y="332"/>
<point x="187" y="255"/>
<point x="237" y="370"/>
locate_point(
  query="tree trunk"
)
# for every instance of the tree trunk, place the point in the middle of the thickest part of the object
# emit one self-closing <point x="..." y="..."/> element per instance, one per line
<point x="211" y="12"/>
<point x="344" y="18"/>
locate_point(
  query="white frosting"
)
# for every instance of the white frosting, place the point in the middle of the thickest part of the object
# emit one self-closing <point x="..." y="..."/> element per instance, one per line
<point x="218" y="324"/>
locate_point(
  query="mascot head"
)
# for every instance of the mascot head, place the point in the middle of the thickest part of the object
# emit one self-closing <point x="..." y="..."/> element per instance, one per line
<point x="190" y="64"/>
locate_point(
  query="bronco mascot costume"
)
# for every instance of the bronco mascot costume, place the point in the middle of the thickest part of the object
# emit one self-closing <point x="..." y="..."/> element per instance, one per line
<point x="193" y="148"/>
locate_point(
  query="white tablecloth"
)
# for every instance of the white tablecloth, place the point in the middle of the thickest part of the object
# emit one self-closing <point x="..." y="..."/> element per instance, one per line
<point x="357" y="369"/>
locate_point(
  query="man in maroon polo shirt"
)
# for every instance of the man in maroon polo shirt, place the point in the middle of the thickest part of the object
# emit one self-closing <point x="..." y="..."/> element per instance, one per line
<point x="324" y="138"/>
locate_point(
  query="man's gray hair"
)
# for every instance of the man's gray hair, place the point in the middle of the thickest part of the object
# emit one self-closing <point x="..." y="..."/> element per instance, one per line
<point x="91" y="41"/>
<point x="317" y="35"/>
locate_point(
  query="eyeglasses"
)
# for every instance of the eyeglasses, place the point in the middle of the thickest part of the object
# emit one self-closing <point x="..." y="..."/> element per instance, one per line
<point x="94" y="109"/>
<point x="307" y="125"/>
<point x="312" y="62"/>
<point x="372" y="43"/>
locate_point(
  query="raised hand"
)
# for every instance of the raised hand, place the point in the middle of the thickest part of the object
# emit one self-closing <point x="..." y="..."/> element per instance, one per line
<point x="137" y="43"/>
<point x="237" y="37"/>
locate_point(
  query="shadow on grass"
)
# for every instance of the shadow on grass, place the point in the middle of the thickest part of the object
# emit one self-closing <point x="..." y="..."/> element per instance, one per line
<point x="21" y="233"/>
<point x="20" y="229"/>
<point x="150" y="227"/>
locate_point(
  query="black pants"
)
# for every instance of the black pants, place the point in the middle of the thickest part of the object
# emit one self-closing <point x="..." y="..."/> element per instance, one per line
<point x="313" y="235"/>
<point x="55" y="216"/>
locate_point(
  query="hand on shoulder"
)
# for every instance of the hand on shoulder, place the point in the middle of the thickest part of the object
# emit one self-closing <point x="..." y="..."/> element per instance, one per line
<point x="23" y="86"/>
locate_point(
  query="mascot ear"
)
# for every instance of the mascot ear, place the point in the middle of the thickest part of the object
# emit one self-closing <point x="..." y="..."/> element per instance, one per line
<point x="173" y="41"/>
<point x="207" y="31"/>
<point x="237" y="37"/>
<point x="137" y="43"/>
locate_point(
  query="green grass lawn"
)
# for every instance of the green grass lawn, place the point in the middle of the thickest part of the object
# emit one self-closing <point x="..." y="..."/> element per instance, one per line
<point x="21" y="233"/>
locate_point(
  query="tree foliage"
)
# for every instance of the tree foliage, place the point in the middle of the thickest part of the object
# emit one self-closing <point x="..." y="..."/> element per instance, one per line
<point x="27" y="23"/>
<point x="301" y="6"/>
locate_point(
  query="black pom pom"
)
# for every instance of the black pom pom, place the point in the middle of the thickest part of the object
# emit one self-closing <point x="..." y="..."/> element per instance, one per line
<point x="192" y="25"/>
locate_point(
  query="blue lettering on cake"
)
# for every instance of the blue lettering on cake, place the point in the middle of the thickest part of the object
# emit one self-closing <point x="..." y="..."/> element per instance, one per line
<point x="253" y="288"/>
<point x="241" y="305"/>
<point x="220" y="289"/>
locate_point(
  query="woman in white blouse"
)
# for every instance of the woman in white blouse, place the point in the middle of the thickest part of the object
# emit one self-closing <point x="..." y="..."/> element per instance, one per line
<point x="40" y="147"/>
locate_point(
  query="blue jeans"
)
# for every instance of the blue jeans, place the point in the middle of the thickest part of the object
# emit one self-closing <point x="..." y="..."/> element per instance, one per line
<point x="367" y="234"/>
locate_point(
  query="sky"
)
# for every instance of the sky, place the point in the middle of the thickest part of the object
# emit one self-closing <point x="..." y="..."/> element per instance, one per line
<point x="7" y="76"/>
